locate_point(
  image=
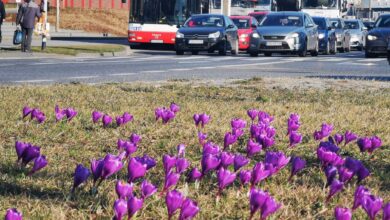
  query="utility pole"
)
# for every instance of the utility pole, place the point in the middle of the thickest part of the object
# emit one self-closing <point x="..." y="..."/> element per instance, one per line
<point x="44" y="26"/>
<point x="57" y="15"/>
<point x="369" y="9"/>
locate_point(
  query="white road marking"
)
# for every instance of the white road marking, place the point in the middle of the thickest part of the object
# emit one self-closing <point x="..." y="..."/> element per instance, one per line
<point x="153" y="71"/>
<point x="4" y="65"/>
<point x="357" y="64"/>
<point x="372" y="60"/>
<point x="82" y="77"/>
<point x="179" y="69"/>
<point x="256" y="64"/>
<point x="33" y="81"/>
<point x="122" y="74"/>
<point x="200" y="61"/>
<point x="205" y="67"/>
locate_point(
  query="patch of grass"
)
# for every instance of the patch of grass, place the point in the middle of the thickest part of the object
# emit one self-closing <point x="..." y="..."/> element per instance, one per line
<point x="252" y="80"/>
<point x="74" y="50"/>
<point x="46" y="194"/>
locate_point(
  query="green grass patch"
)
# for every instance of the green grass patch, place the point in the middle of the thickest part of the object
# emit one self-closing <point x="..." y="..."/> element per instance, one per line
<point x="74" y="50"/>
<point x="46" y="194"/>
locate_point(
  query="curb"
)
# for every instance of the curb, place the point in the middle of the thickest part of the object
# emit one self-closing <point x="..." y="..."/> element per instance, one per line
<point x="126" y="52"/>
<point x="70" y="38"/>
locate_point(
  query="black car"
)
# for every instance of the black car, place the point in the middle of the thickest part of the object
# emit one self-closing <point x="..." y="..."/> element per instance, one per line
<point x="207" y="32"/>
<point x="285" y="32"/>
<point x="378" y="38"/>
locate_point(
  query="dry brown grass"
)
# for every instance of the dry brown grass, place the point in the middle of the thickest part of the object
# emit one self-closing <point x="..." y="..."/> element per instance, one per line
<point x="114" y="22"/>
<point x="46" y="194"/>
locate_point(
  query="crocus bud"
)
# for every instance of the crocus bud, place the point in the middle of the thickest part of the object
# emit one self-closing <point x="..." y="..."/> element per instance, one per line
<point x="252" y="113"/>
<point x="240" y="161"/>
<point x="70" y="113"/>
<point x="174" y="107"/>
<point x="245" y="176"/>
<point x="194" y="175"/>
<point x="297" y="165"/>
<point x="26" y="111"/>
<point x="189" y="209"/>
<point x="335" y="187"/>
<point x="30" y="153"/>
<point x="136" y="170"/>
<point x="359" y="194"/>
<point x="253" y="148"/>
<point x="96" y="168"/>
<point x="111" y="165"/>
<point x="20" y="147"/>
<point x="124" y="190"/>
<point x="13" y="214"/>
<point x="135" y="138"/>
<point x="81" y="175"/>
<point x="147" y="189"/>
<point x="225" y="178"/>
<point x="168" y="162"/>
<point x="349" y="137"/>
<point x="372" y="205"/>
<point x="386" y="211"/>
<point x="133" y="205"/>
<point x="171" y="179"/>
<point x="106" y="120"/>
<point x="341" y="213"/>
<point x="181" y="165"/>
<point x="120" y="209"/>
<point x="96" y="116"/>
<point x="209" y="162"/>
<point x="174" y="201"/>
<point x="259" y="173"/>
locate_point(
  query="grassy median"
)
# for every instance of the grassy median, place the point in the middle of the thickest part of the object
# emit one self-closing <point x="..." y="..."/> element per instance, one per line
<point x="74" y="50"/>
<point x="46" y="195"/>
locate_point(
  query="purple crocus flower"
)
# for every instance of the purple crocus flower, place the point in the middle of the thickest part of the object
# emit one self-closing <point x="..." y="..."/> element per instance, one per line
<point x="227" y="159"/>
<point x="181" y="150"/>
<point x="39" y="163"/>
<point x="30" y="153"/>
<point x="147" y="160"/>
<point x="270" y="206"/>
<point x="253" y="148"/>
<point x="278" y="160"/>
<point x="225" y="178"/>
<point x="181" y="165"/>
<point x="256" y="199"/>
<point x="41" y="117"/>
<point x="341" y="213"/>
<point x="329" y="157"/>
<point x="167" y="116"/>
<point x="59" y="113"/>
<point x="128" y="146"/>
<point x="119" y="121"/>
<point x="13" y="214"/>
<point x="265" y="118"/>
<point x="20" y="147"/>
<point x="295" y="138"/>
<point x="204" y="119"/>
<point x="386" y="211"/>
<point x="266" y="141"/>
<point x="189" y="209"/>
<point x="111" y="165"/>
<point x="136" y="170"/>
<point x="133" y="205"/>
<point x="26" y="111"/>
<point x="120" y="209"/>
<point x="376" y="142"/>
<point x="147" y="189"/>
<point x="81" y="175"/>
<point x="202" y="138"/>
<point x="293" y="123"/>
<point x="124" y="190"/>
<point x="169" y="162"/>
<point x="359" y="194"/>
<point x="106" y="120"/>
<point x="252" y="113"/>
<point x="372" y="205"/>
<point x="127" y="117"/>
<point x="194" y="175"/>
<point x="335" y="187"/>
<point x="158" y="112"/>
<point x="210" y="148"/>
<point x="364" y="144"/>
<point x="174" y="200"/>
<point x="326" y="130"/>
<point x="70" y="113"/>
<point x="297" y="165"/>
<point x="330" y="173"/>
<point x="349" y="137"/>
<point x="96" y="116"/>
<point x="229" y="139"/>
<point x="171" y="179"/>
<point x="135" y="138"/>
<point x="238" y="123"/>
<point x="96" y="168"/>
<point x="209" y="162"/>
<point x="240" y="161"/>
<point x="345" y="174"/>
<point x="174" y="107"/>
<point x="245" y="176"/>
<point x="338" y="138"/>
<point x="259" y="173"/>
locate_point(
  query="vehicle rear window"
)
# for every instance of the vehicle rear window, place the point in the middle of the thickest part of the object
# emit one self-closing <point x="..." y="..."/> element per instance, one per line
<point x="241" y="23"/>
<point x="320" y="22"/>
<point x="336" y="23"/>
<point x="282" y="20"/>
<point x="205" y="21"/>
<point x="352" y="24"/>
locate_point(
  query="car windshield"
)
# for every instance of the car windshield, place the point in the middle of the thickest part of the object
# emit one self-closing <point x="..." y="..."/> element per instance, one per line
<point x="321" y="23"/>
<point x="241" y="23"/>
<point x="352" y="24"/>
<point x="282" y="20"/>
<point x="336" y="23"/>
<point x="383" y="22"/>
<point x="258" y="17"/>
<point x="319" y="4"/>
<point x="205" y="21"/>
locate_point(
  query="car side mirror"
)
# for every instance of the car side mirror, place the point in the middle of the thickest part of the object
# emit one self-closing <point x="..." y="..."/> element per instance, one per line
<point x="230" y="26"/>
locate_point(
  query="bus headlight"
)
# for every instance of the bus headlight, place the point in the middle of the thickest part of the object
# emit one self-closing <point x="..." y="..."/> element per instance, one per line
<point x="372" y="37"/>
<point x="255" y="35"/>
<point x="215" y="35"/>
<point x="179" y="35"/>
<point x="321" y="36"/>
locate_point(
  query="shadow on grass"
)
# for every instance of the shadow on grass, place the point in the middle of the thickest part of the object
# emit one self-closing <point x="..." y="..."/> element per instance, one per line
<point x="12" y="189"/>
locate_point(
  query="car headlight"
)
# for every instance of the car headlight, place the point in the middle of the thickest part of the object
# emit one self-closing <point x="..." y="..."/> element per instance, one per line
<point x="215" y="35"/>
<point x="372" y="37"/>
<point x="321" y="36"/>
<point x="294" y="35"/>
<point x="243" y="36"/>
<point x="255" y="35"/>
<point x="179" y="35"/>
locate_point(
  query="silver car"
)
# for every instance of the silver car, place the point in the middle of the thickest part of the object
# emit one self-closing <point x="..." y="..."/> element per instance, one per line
<point x="358" y="33"/>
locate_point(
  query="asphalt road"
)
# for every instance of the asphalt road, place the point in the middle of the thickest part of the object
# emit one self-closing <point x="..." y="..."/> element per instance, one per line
<point x="165" y="65"/>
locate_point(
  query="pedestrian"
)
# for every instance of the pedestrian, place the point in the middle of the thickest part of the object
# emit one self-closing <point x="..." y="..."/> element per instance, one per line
<point x="27" y="14"/>
<point x="2" y="16"/>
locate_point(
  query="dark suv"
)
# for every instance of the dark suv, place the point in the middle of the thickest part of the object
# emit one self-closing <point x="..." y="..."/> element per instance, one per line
<point x="207" y="32"/>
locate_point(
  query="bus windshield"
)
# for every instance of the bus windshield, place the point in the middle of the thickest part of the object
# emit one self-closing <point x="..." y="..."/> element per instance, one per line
<point x="323" y="4"/>
<point x="170" y="12"/>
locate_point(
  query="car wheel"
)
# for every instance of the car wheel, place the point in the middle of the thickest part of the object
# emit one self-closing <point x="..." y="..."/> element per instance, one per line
<point x="334" y="49"/>
<point x="267" y="54"/>
<point x="222" y="51"/>
<point x="179" y="52"/>
<point x="254" y="54"/>
<point x="342" y="50"/>
<point x="194" y="52"/>
<point x="314" y="52"/>
<point x="327" y="49"/>
<point x="369" y="55"/>
<point x="210" y="51"/>
<point x="303" y="52"/>
<point x="235" y="51"/>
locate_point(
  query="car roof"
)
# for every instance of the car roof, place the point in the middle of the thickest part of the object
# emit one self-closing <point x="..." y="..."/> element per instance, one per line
<point x="385" y="15"/>
<point x="296" y="13"/>
<point x="241" y="16"/>
<point x="208" y="15"/>
<point x="319" y="17"/>
<point x="259" y="13"/>
<point x="352" y="20"/>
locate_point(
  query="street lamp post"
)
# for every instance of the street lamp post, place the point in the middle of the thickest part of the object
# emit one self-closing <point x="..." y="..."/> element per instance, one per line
<point x="369" y="10"/>
<point x="44" y="26"/>
<point x="57" y="15"/>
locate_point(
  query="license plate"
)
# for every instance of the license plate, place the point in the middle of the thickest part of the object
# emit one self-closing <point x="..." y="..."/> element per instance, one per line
<point x="156" y="41"/>
<point x="195" y="41"/>
<point x="274" y="43"/>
